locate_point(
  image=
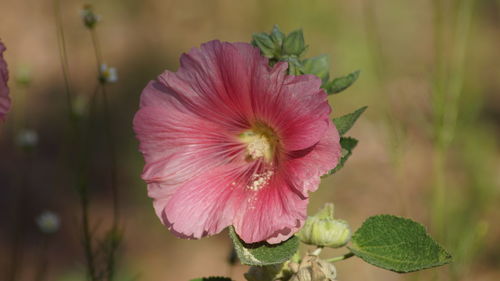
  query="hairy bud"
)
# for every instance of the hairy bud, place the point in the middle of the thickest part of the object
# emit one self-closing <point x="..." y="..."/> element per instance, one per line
<point x="325" y="231"/>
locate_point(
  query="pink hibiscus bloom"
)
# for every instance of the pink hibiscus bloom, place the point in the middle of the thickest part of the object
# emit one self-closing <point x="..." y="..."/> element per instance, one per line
<point x="4" y="89"/>
<point x="228" y="140"/>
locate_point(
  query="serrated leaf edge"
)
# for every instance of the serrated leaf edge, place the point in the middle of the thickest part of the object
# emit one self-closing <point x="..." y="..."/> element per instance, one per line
<point x="357" y="252"/>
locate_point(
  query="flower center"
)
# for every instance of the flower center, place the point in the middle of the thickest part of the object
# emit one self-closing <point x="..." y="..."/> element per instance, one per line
<point x="261" y="142"/>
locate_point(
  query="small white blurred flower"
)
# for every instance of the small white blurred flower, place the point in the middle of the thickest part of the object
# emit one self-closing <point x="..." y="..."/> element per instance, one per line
<point x="48" y="222"/>
<point x="108" y="74"/>
<point x="27" y="138"/>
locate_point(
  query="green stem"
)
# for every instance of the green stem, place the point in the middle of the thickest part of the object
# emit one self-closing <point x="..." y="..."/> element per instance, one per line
<point x="79" y="169"/>
<point x="447" y="89"/>
<point x="109" y="131"/>
<point x="341" y="258"/>
<point x="63" y="58"/>
<point x="113" y="246"/>
<point x="317" y="251"/>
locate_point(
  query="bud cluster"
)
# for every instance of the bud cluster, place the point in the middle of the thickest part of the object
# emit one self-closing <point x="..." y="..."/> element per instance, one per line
<point x="290" y="48"/>
<point x="280" y="47"/>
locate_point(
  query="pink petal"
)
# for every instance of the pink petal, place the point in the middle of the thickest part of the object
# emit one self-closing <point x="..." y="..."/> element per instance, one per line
<point x="215" y="81"/>
<point x="5" y="102"/>
<point x="273" y="213"/>
<point x="307" y="167"/>
<point x="304" y="112"/>
<point x="205" y="205"/>
<point x="178" y="146"/>
<point x="294" y="106"/>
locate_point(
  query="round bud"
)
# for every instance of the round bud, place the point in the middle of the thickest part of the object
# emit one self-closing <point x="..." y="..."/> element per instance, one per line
<point x="325" y="231"/>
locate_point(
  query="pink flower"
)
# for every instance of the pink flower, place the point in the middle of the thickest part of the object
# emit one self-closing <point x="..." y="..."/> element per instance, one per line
<point x="4" y="89"/>
<point x="228" y="140"/>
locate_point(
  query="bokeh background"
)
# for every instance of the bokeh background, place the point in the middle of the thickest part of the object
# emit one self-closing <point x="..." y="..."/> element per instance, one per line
<point x="428" y="147"/>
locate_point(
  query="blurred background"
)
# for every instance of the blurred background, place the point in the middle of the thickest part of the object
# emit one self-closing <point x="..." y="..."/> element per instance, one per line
<point x="429" y="141"/>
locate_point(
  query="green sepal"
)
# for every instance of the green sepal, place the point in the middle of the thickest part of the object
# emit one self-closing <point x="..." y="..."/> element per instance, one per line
<point x="347" y="144"/>
<point x="263" y="41"/>
<point x="344" y="123"/>
<point x="318" y="66"/>
<point x="397" y="244"/>
<point x="213" y="278"/>
<point x="294" y="43"/>
<point x="337" y="85"/>
<point x="263" y="253"/>
<point x="277" y="36"/>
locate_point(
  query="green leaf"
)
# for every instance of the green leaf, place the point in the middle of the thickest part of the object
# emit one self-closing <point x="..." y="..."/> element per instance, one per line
<point x="397" y="244"/>
<point x="263" y="253"/>
<point x="345" y="123"/>
<point x="265" y="273"/>
<point x="264" y="43"/>
<point x="347" y="144"/>
<point x="318" y="66"/>
<point x="337" y="85"/>
<point x="294" y="43"/>
<point x="218" y="278"/>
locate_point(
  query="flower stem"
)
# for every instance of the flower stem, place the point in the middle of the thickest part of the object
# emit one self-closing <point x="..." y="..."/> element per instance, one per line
<point x="109" y="131"/>
<point x="341" y="258"/>
<point x="114" y="232"/>
<point x="81" y="185"/>
<point x="317" y="251"/>
<point x="63" y="57"/>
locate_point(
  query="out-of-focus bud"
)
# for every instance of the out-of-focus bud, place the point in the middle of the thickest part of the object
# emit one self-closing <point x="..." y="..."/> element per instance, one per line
<point x="23" y="75"/>
<point x="108" y="74"/>
<point x="325" y="231"/>
<point x="312" y="268"/>
<point x="27" y="139"/>
<point x="81" y="105"/>
<point x="90" y="19"/>
<point x="267" y="47"/>
<point x="48" y="222"/>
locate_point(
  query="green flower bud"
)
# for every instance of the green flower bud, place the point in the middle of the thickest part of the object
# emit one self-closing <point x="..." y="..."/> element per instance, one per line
<point x="277" y="36"/>
<point x="318" y="66"/>
<point x="265" y="44"/>
<point x="294" y="43"/>
<point x="323" y="230"/>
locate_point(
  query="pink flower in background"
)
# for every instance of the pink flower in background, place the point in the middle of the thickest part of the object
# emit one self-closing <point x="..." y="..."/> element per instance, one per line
<point x="228" y="140"/>
<point x="4" y="89"/>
